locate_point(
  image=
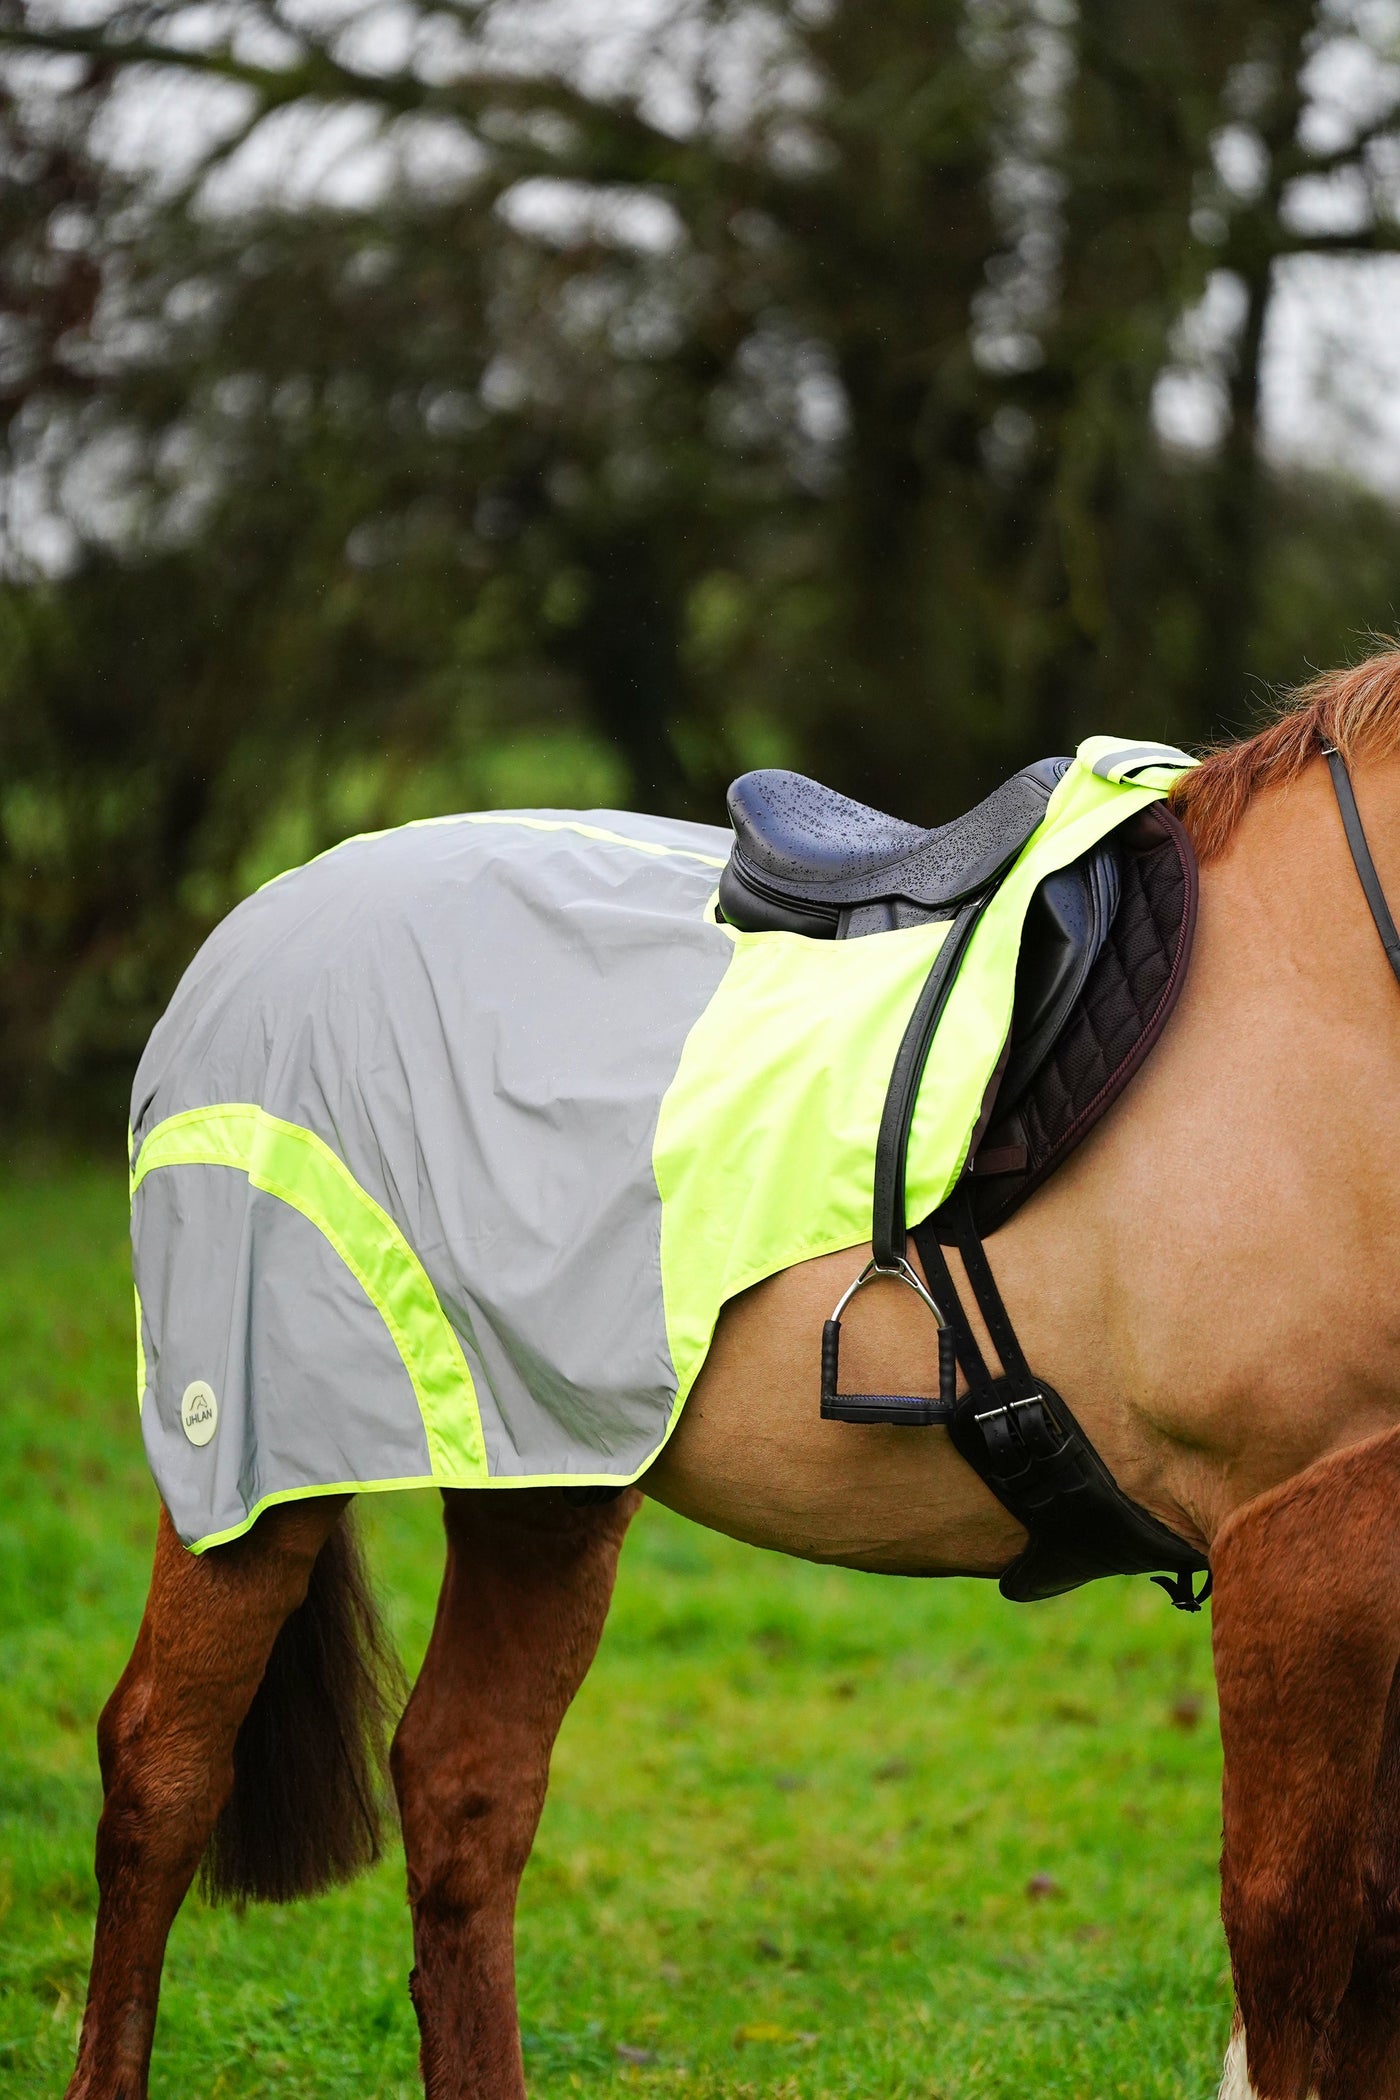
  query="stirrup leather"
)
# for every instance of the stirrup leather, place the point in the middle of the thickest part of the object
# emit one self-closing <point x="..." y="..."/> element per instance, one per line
<point x="889" y="1235"/>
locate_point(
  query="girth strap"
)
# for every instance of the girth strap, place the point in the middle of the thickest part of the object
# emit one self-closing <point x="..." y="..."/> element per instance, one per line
<point x="940" y="1279"/>
<point x="1022" y="1439"/>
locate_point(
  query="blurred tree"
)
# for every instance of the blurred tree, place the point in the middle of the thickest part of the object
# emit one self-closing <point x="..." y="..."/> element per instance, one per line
<point x="603" y="419"/>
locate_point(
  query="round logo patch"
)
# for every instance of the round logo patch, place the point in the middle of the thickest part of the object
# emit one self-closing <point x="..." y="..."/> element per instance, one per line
<point x="199" y="1412"/>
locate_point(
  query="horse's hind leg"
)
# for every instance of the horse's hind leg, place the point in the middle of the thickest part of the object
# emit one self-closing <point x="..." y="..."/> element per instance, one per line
<point x="1307" y="1638"/>
<point x="165" y="1742"/>
<point x="524" y="1597"/>
<point x="1361" y="2048"/>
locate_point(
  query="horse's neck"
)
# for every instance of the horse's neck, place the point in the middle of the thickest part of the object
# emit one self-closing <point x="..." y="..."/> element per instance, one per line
<point x="1211" y="1276"/>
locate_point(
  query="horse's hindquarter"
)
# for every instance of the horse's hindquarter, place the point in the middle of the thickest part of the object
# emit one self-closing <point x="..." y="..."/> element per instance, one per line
<point x="452" y="1144"/>
<point x="1212" y="1281"/>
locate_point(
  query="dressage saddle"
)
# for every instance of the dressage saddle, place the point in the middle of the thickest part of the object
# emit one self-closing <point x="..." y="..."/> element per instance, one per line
<point x="1104" y="952"/>
<point x="807" y="860"/>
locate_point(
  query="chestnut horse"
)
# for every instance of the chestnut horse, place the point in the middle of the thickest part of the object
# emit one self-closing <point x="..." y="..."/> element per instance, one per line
<point x="1212" y="1280"/>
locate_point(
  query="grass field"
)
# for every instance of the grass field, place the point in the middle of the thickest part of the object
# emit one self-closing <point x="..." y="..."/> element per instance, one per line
<point x="811" y="1833"/>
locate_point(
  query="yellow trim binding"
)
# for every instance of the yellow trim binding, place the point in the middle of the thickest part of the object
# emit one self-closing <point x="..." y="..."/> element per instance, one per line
<point x="140" y="1354"/>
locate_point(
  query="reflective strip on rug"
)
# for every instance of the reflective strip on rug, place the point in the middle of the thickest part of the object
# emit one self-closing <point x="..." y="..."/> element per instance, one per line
<point x="300" y="1168"/>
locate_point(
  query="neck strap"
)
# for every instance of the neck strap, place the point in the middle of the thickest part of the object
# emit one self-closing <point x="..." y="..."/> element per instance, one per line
<point x="1361" y="855"/>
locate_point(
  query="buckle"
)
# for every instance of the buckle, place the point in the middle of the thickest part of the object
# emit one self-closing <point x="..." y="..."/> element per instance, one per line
<point x="1015" y="1438"/>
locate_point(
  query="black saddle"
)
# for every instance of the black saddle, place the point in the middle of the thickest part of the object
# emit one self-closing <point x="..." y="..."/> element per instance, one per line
<point x="808" y="860"/>
<point x="1103" y="957"/>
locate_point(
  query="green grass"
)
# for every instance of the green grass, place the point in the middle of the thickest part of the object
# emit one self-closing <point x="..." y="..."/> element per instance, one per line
<point x="794" y="1817"/>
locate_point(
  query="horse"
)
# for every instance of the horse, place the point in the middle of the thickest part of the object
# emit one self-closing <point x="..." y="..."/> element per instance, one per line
<point x="1213" y="1276"/>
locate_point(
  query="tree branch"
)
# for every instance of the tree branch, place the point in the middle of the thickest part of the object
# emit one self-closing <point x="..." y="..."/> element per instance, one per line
<point x="1371" y="240"/>
<point x="605" y="142"/>
<point x="1296" y="160"/>
<point x="321" y="76"/>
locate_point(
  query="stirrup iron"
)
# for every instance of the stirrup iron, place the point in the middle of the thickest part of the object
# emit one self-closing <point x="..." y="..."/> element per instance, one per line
<point x="914" y="1409"/>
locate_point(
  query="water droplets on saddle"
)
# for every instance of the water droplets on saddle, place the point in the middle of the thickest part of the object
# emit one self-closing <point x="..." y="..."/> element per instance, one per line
<point x="809" y="860"/>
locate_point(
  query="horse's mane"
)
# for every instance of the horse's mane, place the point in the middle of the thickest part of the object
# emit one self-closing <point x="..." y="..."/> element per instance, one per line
<point x="1357" y="709"/>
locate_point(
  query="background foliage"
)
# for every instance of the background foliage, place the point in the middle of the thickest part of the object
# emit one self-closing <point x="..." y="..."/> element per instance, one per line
<point x="420" y="403"/>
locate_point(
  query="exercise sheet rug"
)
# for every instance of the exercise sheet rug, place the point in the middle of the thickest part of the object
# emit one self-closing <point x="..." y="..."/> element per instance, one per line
<point x="452" y="1144"/>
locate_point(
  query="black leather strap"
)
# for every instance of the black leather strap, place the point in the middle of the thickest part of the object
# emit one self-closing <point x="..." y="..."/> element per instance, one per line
<point x="940" y="1283"/>
<point x="889" y="1236"/>
<point x="888" y="1232"/>
<point x="984" y="1286"/>
<point x="1037" y="1461"/>
<point x="1361" y="855"/>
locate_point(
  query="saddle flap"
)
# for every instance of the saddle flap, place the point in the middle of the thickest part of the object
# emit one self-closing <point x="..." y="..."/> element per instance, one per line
<point x="804" y="856"/>
<point x="1067" y="922"/>
<point x="1124" y="1003"/>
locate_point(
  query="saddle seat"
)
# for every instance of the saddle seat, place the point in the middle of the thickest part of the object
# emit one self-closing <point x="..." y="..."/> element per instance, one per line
<point x="809" y="860"/>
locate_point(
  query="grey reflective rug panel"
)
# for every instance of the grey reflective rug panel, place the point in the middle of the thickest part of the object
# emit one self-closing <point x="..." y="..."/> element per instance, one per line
<point x="479" y="1017"/>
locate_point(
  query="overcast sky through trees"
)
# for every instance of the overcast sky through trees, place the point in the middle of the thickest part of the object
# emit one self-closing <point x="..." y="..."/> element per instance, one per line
<point x="1330" y="393"/>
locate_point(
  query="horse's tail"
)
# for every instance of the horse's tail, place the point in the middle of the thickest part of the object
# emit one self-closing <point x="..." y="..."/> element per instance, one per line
<point x="310" y="1765"/>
